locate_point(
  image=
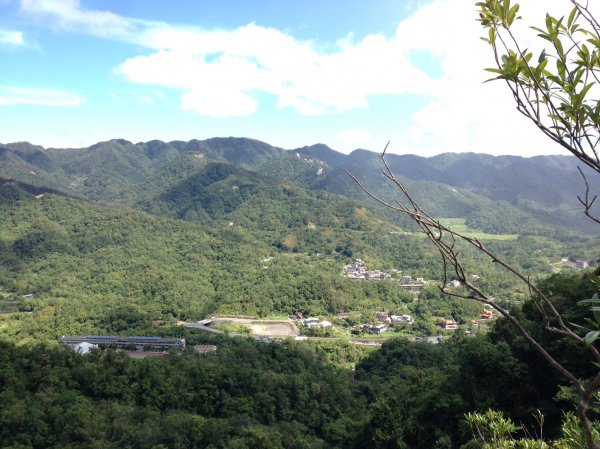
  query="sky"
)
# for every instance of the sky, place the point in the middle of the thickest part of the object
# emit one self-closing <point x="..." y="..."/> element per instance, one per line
<point x="347" y="73"/>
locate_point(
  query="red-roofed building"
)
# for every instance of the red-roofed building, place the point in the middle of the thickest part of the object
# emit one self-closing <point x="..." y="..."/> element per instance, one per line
<point x="205" y="349"/>
<point x="449" y="325"/>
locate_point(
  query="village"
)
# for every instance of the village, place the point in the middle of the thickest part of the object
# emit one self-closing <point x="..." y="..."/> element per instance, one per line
<point x="358" y="270"/>
<point x="343" y="326"/>
<point x="387" y="322"/>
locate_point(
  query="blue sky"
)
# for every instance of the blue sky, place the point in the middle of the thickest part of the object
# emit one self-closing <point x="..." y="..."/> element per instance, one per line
<point x="349" y="74"/>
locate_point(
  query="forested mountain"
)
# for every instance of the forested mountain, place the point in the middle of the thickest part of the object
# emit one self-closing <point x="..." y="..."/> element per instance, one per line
<point x="542" y="187"/>
<point x="505" y="194"/>
<point x="285" y="396"/>
<point x="128" y="239"/>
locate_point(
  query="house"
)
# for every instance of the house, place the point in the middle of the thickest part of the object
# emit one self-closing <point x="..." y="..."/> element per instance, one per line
<point x="357" y="265"/>
<point x="582" y="264"/>
<point x="316" y="322"/>
<point x="402" y="319"/>
<point x="29" y="297"/>
<point x="379" y="328"/>
<point x="312" y="322"/>
<point x="375" y="328"/>
<point x="486" y="314"/>
<point x="449" y="325"/>
<point x="383" y="317"/>
<point x="205" y="349"/>
<point x="407" y="279"/>
<point x="454" y="283"/>
<point x="411" y="287"/>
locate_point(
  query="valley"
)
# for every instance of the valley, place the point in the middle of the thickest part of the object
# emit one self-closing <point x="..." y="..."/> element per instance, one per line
<point x="112" y="237"/>
<point x="296" y="289"/>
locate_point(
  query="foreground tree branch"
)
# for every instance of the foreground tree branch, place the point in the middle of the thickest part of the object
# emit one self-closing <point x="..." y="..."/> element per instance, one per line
<point x="445" y="240"/>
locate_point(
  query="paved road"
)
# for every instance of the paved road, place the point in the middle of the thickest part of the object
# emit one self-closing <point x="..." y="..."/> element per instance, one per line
<point x="200" y="326"/>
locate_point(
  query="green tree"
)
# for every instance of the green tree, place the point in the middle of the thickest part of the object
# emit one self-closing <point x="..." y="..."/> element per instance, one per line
<point x="557" y="92"/>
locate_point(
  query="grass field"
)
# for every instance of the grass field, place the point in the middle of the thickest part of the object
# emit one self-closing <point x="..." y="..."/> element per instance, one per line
<point x="459" y="225"/>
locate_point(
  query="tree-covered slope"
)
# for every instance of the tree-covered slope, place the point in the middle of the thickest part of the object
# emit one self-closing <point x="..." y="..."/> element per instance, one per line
<point x="250" y="394"/>
<point x="497" y="194"/>
<point x="544" y="188"/>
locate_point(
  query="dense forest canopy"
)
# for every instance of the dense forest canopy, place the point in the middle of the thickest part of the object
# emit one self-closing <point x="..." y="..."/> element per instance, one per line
<point x="104" y="250"/>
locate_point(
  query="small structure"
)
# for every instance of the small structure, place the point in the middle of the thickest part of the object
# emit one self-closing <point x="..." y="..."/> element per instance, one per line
<point x="145" y="354"/>
<point x="383" y="317"/>
<point x="138" y="343"/>
<point x="84" y="348"/>
<point x="29" y="297"/>
<point x="316" y="323"/>
<point x="379" y="328"/>
<point x="375" y="328"/>
<point x="205" y="349"/>
<point x="449" y="325"/>
<point x="582" y="264"/>
<point x="413" y="287"/>
<point x="434" y="340"/>
<point x="402" y="320"/>
<point x="486" y="314"/>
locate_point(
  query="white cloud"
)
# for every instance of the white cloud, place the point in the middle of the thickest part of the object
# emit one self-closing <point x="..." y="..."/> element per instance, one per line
<point x="468" y="115"/>
<point x="11" y="95"/>
<point x="239" y="63"/>
<point x="69" y="14"/>
<point x="220" y="73"/>
<point x="12" y="38"/>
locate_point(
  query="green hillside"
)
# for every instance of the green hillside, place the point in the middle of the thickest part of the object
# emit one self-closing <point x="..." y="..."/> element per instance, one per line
<point x="129" y="239"/>
<point x="500" y="195"/>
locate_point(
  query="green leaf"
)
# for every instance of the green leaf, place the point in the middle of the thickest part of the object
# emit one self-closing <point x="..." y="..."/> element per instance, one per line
<point x="492" y="36"/>
<point x="585" y="90"/>
<point x="591" y="337"/>
<point x="506" y="7"/>
<point x="593" y="300"/>
<point x="542" y="57"/>
<point x="572" y="16"/>
<point x="512" y="15"/>
<point x="549" y="24"/>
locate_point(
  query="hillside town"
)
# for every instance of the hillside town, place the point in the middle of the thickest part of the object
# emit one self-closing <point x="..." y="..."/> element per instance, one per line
<point x="358" y="270"/>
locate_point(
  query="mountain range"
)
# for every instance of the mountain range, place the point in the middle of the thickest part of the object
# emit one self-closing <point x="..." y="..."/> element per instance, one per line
<point x="111" y="237"/>
<point x="209" y="178"/>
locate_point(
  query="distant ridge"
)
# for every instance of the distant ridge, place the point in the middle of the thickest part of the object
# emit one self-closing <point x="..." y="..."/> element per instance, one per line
<point x="450" y="184"/>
